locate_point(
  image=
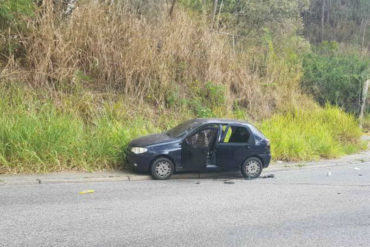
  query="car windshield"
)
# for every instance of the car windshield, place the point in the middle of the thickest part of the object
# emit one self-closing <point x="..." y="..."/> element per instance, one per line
<point x="183" y="128"/>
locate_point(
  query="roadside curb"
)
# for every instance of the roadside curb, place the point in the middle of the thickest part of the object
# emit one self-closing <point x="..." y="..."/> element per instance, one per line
<point x="362" y="158"/>
<point x="134" y="177"/>
<point x="34" y="179"/>
<point x="40" y="180"/>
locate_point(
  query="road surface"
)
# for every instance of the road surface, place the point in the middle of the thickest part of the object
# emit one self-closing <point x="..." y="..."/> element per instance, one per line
<point x="314" y="206"/>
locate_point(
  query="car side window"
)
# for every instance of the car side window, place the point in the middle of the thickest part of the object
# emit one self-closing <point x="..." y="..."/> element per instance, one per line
<point x="203" y="138"/>
<point x="226" y="134"/>
<point x="237" y="134"/>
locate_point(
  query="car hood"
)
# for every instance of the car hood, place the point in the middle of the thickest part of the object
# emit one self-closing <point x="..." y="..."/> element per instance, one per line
<point x="151" y="140"/>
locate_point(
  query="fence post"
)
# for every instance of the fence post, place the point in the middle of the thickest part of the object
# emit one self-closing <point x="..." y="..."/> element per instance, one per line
<point x="363" y="101"/>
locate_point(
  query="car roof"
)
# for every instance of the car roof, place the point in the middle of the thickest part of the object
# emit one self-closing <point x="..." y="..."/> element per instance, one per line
<point x="220" y="121"/>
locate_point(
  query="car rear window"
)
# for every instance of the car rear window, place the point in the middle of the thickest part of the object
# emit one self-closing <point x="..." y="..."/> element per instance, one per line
<point x="258" y="134"/>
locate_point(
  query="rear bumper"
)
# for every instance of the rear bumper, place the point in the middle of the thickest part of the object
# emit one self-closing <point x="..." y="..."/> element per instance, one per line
<point x="266" y="158"/>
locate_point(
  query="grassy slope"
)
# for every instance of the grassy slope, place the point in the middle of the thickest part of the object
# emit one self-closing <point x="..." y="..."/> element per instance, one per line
<point x="40" y="134"/>
<point x="94" y="85"/>
<point x="319" y="133"/>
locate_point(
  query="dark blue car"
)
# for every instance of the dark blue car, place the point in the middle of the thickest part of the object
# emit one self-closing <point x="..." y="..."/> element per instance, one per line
<point x="202" y="145"/>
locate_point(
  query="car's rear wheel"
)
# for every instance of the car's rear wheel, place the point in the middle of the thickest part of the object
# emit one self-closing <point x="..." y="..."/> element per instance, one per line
<point x="251" y="168"/>
<point x="162" y="168"/>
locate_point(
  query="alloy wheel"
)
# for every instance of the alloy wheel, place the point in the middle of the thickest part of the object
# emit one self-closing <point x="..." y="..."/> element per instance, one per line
<point x="163" y="169"/>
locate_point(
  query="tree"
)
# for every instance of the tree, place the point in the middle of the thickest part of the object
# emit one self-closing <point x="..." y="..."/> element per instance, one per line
<point x="344" y="21"/>
<point x="335" y="77"/>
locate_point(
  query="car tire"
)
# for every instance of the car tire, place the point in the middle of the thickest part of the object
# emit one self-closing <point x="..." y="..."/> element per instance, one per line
<point x="252" y="168"/>
<point x="162" y="168"/>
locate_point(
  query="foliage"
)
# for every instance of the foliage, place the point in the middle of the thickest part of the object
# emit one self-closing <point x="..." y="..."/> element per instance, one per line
<point x="333" y="76"/>
<point x="12" y="10"/>
<point x="249" y="16"/>
<point x="312" y="134"/>
<point x="113" y="70"/>
<point x="153" y="59"/>
<point x="79" y="131"/>
<point x="344" y="21"/>
<point x="206" y="98"/>
<point x="39" y="135"/>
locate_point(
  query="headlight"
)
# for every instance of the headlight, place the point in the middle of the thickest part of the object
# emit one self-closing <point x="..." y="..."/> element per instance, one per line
<point x="138" y="150"/>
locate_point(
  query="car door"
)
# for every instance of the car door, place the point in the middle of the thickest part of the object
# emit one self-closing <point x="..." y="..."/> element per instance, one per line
<point x="195" y="150"/>
<point x="234" y="146"/>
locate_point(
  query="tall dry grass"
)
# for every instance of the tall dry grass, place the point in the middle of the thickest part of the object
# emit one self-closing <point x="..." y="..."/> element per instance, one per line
<point x="105" y="74"/>
<point x="144" y="58"/>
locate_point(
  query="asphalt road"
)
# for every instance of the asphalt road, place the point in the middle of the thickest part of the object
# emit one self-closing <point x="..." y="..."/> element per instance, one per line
<point x="324" y="206"/>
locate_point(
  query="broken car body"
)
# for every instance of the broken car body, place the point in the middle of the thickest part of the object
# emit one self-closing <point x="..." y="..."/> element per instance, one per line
<point x="201" y="145"/>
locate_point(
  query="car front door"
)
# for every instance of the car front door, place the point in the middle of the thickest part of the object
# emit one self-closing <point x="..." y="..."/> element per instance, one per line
<point x="195" y="149"/>
<point x="234" y="146"/>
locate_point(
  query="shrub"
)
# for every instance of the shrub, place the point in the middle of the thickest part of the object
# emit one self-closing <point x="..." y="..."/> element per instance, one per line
<point x="10" y="10"/>
<point x="331" y="76"/>
<point x="306" y="135"/>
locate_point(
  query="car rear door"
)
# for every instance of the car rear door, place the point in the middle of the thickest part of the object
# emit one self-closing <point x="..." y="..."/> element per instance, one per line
<point x="234" y="146"/>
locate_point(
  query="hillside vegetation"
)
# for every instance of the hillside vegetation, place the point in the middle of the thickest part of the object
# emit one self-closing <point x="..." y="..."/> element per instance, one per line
<point x="78" y="83"/>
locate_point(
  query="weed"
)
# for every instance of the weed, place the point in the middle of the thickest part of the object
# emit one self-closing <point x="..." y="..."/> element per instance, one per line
<point x="300" y="165"/>
<point x="36" y="136"/>
<point x="306" y="135"/>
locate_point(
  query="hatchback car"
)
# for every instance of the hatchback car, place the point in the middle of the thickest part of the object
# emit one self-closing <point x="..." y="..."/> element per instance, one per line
<point x="202" y="145"/>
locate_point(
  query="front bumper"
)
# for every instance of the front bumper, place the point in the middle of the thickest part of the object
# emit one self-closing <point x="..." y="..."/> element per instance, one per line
<point x="139" y="162"/>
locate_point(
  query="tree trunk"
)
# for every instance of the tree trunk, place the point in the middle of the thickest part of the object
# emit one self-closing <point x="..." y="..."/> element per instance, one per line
<point x="363" y="101"/>
<point x="322" y="20"/>
<point x="328" y="7"/>
<point x="363" y="34"/>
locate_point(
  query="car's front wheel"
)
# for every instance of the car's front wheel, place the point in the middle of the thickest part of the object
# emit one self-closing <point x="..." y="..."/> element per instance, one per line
<point x="251" y="168"/>
<point x="162" y="168"/>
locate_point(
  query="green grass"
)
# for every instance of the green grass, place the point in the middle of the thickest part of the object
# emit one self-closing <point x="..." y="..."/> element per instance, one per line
<point x="36" y="135"/>
<point x="42" y="132"/>
<point x="305" y="135"/>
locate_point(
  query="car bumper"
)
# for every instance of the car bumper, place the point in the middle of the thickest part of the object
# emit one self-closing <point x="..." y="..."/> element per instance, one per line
<point x="266" y="158"/>
<point x="139" y="162"/>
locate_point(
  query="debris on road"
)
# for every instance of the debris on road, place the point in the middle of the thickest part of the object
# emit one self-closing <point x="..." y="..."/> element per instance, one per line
<point x="328" y="174"/>
<point x="229" y="182"/>
<point x="39" y="181"/>
<point x="87" y="191"/>
<point x="268" y="176"/>
<point x="356" y="168"/>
